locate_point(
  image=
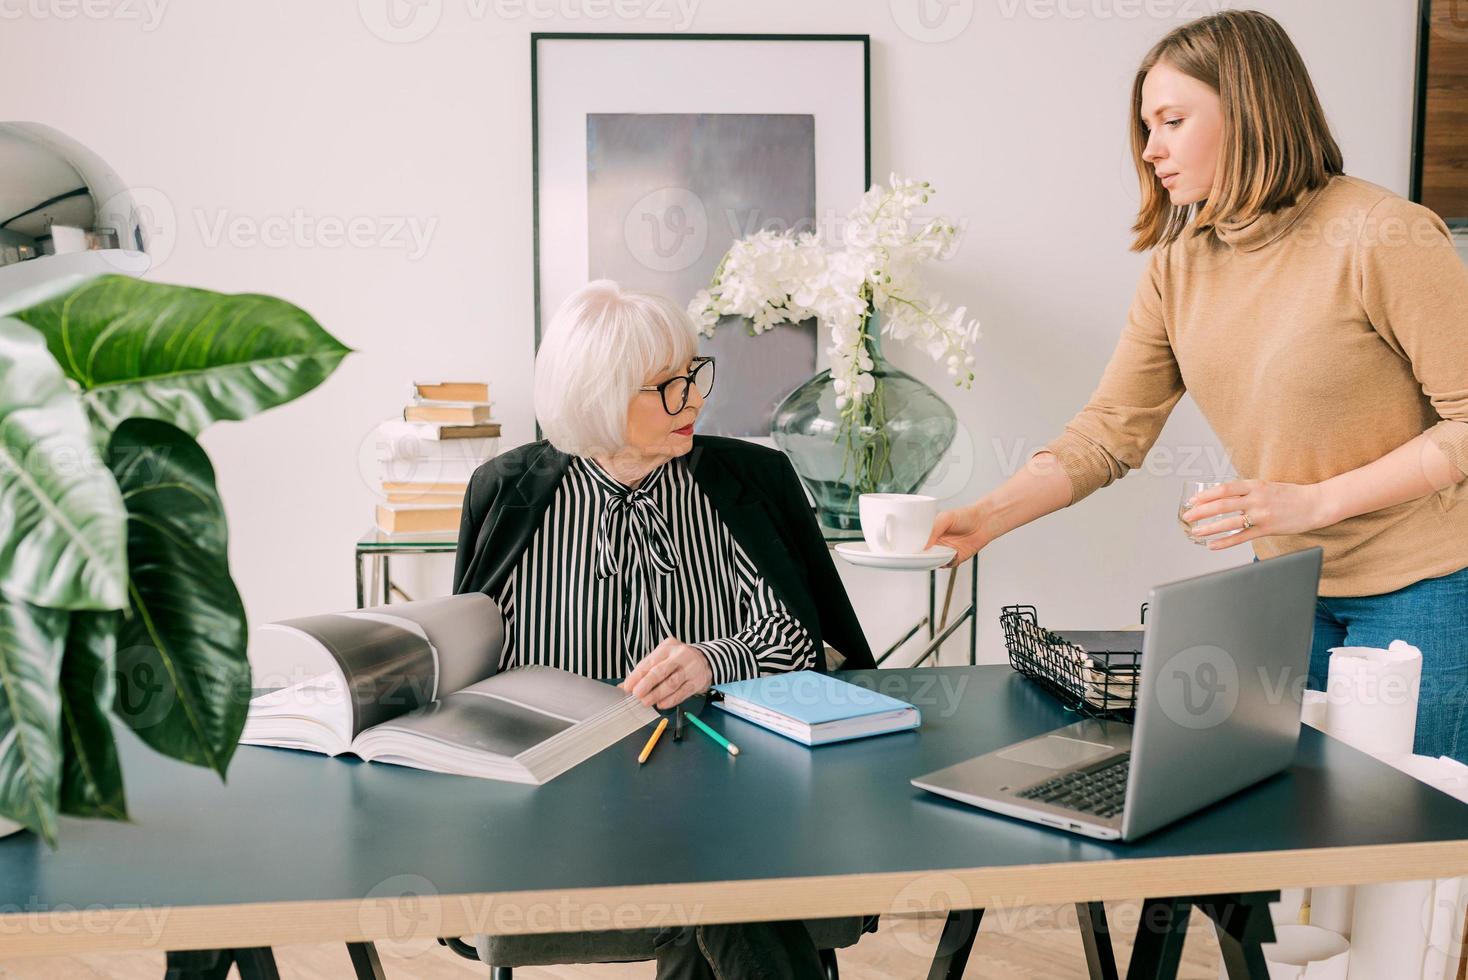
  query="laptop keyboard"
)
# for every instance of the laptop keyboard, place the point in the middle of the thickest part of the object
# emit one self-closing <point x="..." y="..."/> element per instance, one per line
<point x="1099" y="791"/>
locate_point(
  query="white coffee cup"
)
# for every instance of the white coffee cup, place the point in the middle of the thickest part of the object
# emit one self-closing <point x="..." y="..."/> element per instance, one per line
<point x="897" y="523"/>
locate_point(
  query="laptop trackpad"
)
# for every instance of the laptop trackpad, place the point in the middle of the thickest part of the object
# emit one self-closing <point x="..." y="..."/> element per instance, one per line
<point x="1055" y="752"/>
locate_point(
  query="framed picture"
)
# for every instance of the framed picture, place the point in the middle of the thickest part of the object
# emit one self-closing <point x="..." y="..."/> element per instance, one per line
<point x="654" y="152"/>
<point x="1440" y="131"/>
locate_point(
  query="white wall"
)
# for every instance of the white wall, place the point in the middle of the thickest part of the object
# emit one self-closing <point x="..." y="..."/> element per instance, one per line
<point x="224" y="116"/>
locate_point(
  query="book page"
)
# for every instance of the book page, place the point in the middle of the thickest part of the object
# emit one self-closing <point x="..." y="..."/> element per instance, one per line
<point x="466" y="632"/>
<point x="480" y="724"/>
<point x="557" y="693"/>
<point x="388" y="670"/>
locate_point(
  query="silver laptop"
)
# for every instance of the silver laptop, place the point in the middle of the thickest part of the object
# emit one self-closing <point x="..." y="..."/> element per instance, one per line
<point x="1224" y="657"/>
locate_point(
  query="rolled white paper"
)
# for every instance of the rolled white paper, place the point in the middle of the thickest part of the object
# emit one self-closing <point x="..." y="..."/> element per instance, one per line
<point x="1331" y="908"/>
<point x="1444" y="935"/>
<point x="1304" y="953"/>
<point x="1448" y="895"/>
<point x="1371" y="697"/>
<point x="1392" y="923"/>
<point x="1312" y="711"/>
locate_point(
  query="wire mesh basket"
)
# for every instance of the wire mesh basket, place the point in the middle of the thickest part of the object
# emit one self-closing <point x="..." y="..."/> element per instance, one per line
<point x="1101" y="684"/>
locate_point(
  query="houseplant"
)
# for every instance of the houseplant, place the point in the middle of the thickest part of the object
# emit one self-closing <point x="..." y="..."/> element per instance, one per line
<point x="861" y="426"/>
<point x="115" y="592"/>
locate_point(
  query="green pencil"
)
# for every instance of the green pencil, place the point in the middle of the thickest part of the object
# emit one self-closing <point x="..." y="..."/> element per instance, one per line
<point x="699" y="724"/>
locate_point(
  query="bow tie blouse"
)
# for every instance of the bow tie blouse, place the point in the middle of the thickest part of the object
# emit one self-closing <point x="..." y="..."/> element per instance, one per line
<point x="612" y="571"/>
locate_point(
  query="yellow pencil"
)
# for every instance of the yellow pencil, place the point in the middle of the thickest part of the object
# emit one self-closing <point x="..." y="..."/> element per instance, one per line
<point x="652" y="740"/>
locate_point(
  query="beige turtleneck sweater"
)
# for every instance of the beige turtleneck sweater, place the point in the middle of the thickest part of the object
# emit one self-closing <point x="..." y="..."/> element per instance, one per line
<point x="1315" y="340"/>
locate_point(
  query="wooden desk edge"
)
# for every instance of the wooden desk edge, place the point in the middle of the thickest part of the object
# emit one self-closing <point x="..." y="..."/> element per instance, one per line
<point x="416" y="921"/>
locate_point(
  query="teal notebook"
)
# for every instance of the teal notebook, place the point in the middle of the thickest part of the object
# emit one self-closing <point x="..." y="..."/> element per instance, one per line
<point x="814" y="708"/>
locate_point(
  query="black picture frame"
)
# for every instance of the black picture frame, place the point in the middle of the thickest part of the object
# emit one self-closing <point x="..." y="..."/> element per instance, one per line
<point x="864" y="40"/>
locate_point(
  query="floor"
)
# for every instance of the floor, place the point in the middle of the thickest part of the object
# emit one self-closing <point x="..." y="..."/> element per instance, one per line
<point x="1037" y="942"/>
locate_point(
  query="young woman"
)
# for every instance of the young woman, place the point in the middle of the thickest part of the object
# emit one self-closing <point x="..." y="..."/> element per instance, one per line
<point x="1321" y="324"/>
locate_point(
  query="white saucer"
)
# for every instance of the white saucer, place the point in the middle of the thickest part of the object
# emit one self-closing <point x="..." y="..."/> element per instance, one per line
<point x="860" y="553"/>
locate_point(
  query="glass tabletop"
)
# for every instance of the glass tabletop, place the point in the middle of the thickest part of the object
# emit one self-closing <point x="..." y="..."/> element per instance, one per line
<point x="378" y="540"/>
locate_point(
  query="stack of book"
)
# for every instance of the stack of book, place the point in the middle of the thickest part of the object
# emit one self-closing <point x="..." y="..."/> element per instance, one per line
<point x="425" y="458"/>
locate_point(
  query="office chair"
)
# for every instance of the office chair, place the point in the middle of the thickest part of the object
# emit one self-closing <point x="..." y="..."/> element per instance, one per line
<point x="503" y="953"/>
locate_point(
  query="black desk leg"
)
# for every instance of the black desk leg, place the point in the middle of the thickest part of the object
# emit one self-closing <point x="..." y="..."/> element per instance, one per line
<point x="1160" y="935"/>
<point x="1241" y="920"/>
<point x="197" y="964"/>
<point x="1096" y="937"/>
<point x="256" y="963"/>
<point x="365" y="964"/>
<point x="954" y="946"/>
<point x="1242" y="923"/>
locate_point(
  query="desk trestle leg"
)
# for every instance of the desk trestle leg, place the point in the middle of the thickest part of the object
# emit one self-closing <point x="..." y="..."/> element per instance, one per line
<point x="365" y="963"/>
<point x="1096" y="938"/>
<point x="962" y="927"/>
<point x="1241" y="920"/>
<point x="255" y="963"/>
<point x="957" y="941"/>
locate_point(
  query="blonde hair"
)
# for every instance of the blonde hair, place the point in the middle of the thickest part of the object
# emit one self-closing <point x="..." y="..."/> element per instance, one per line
<point x="602" y="345"/>
<point x="1276" y="143"/>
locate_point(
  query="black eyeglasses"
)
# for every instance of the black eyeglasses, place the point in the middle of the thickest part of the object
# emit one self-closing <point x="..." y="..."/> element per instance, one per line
<point x="675" y="390"/>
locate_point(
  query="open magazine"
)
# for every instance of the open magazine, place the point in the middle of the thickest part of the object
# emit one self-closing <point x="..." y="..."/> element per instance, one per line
<point x="415" y="684"/>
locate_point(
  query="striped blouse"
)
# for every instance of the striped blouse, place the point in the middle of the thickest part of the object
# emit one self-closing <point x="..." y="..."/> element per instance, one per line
<point x="611" y="572"/>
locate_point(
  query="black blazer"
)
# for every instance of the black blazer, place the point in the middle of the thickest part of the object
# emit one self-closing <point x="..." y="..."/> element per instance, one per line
<point x="754" y="489"/>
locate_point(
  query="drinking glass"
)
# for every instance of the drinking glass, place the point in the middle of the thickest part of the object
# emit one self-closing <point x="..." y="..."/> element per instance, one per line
<point x="1192" y="488"/>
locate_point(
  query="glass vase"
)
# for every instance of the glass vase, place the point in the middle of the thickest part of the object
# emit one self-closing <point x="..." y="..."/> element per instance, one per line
<point x="887" y="443"/>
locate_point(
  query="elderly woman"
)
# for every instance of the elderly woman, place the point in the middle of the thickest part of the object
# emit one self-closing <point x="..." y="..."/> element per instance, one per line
<point x="626" y="546"/>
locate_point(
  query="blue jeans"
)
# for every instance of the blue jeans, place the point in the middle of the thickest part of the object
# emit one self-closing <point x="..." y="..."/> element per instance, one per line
<point x="1432" y="615"/>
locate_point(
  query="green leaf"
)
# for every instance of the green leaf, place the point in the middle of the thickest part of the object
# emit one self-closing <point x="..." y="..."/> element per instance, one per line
<point x="61" y="519"/>
<point x="183" y="679"/>
<point x="31" y="641"/>
<point x="91" y="778"/>
<point x="186" y="356"/>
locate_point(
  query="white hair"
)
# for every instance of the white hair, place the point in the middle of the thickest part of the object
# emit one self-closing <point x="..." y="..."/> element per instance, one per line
<point x="603" y="344"/>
